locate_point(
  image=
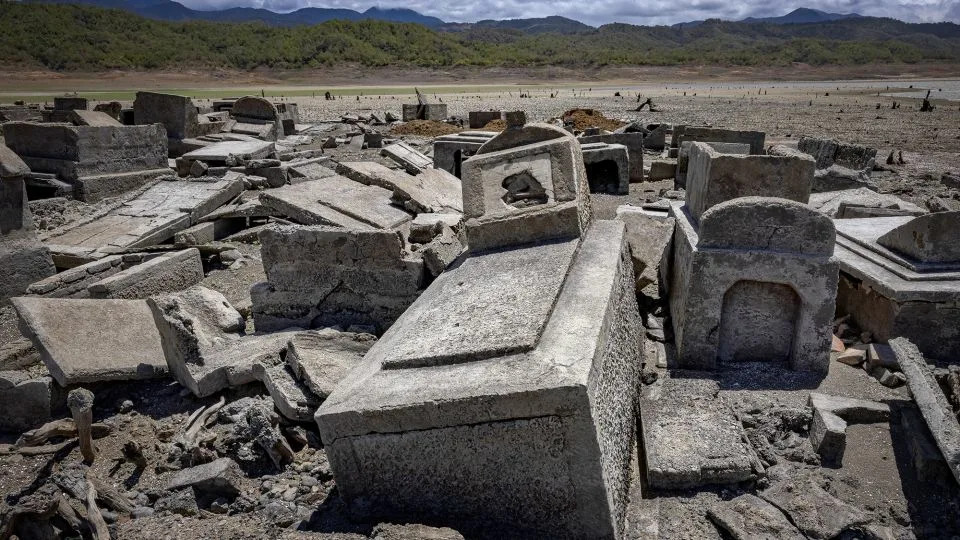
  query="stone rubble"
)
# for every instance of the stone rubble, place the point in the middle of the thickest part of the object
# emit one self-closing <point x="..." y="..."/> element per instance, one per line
<point x="518" y="330"/>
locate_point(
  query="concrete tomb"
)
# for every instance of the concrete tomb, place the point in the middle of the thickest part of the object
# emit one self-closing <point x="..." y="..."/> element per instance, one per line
<point x="23" y="259"/>
<point x="449" y="151"/>
<point x="504" y="395"/>
<point x="151" y="218"/>
<point x="259" y="117"/>
<point x="829" y="152"/>
<point x="751" y="278"/>
<point x="900" y="276"/>
<point x="424" y="111"/>
<point x="862" y="203"/>
<point x="99" y="161"/>
<point x="608" y="167"/>
<point x="324" y="276"/>
<point x="634" y="144"/>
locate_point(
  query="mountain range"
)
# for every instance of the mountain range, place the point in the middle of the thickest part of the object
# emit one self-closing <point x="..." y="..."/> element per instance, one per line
<point x="170" y="10"/>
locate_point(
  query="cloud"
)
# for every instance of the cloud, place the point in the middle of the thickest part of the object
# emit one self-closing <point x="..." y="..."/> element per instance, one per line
<point x="596" y="12"/>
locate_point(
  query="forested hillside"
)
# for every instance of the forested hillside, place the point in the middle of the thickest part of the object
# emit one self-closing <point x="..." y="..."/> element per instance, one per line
<point x="71" y="37"/>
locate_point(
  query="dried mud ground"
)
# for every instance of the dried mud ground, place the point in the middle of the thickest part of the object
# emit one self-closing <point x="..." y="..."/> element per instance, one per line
<point x="877" y="475"/>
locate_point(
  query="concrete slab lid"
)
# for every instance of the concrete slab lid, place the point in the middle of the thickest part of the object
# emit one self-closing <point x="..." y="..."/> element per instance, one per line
<point x="498" y="305"/>
<point x="94" y="340"/>
<point x="219" y="151"/>
<point x="854" y="263"/>
<point x="863" y="233"/>
<point x="543" y="381"/>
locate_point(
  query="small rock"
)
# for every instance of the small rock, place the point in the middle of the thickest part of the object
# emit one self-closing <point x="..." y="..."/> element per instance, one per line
<point x="142" y="512"/>
<point x="852" y="357"/>
<point x="230" y="256"/>
<point x="198" y="169"/>
<point x="183" y="502"/>
<point x="219" y="477"/>
<point x="837" y="345"/>
<point x="390" y="531"/>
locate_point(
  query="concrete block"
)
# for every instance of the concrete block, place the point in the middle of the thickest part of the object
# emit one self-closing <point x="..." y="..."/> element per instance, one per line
<point x="830" y="152"/>
<point x="167" y="273"/>
<point x="713" y="177"/>
<point x="27" y="402"/>
<point x="82" y="341"/>
<point x="634" y="144"/>
<point x="316" y="278"/>
<point x="430" y="191"/>
<point x="337" y="201"/>
<point x="699" y="134"/>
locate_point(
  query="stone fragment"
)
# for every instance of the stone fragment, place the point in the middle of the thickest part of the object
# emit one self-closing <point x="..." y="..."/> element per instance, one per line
<point x="337" y="201"/>
<point x="409" y="158"/>
<point x="838" y="177"/>
<point x="83" y="341"/>
<point x="449" y="151"/>
<point x="933" y="404"/>
<point x="852" y="356"/>
<point x="880" y="354"/>
<point x="649" y="237"/>
<point x="168" y="273"/>
<point x="410" y="531"/>
<point x="429" y="191"/>
<point x="92" y="118"/>
<point x="683" y="156"/>
<point x="219" y="477"/>
<point x="815" y="512"/>
<point x="236" y="152"/>
<point x="749" y="517"/>
<point x="837" y="204"/>
<point x="26" y="401"/>
<point x="322" y="359"/>
<point x="831" y="415"/>
<point x="692" y="438"/>
<point x="23" y="259"/>
<point x="755" y="139"/>
<point x="662" y="169"/>
<point x="830" y="152"/>
<point x="323" y="276"/>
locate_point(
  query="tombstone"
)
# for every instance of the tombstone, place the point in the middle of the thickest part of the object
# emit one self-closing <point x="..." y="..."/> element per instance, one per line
<point x="503" y="397"/>
<point x="257" y="117"/>
<point x="436" y="112"/>
<point x="900" y="276"/>
<point x="23" y="259"/>
<point x="99" y="161"/>
<point x="608" y="167"/>
<point x="527" y="175"/>
<point x="449" y="151"/>
<point x="713" y="177"/>
<point x="755" y="281"/>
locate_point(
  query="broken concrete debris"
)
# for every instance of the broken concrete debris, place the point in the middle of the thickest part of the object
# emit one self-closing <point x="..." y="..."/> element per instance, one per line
<point x="453" y="331"/>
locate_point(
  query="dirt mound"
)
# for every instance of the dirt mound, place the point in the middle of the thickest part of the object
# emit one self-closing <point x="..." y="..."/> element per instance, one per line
<point x="495" y="125"/>
<point x="425" y="128"/>
<point x="589" y="118"/>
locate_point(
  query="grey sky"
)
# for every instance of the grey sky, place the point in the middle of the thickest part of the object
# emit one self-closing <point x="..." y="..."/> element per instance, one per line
<point x="596" y="12"/>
